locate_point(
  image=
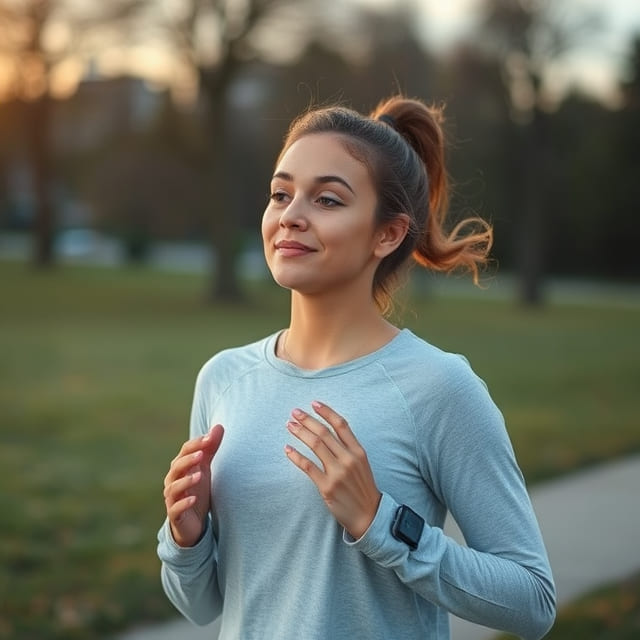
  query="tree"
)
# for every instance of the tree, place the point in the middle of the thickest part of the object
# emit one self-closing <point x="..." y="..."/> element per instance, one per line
<point x="529" y="37"/>
<point x="37" y="39"/>
<point x="621" y="232"/>
<point x="213" y="38"/>
<point x="216" y="40"/>
<point x="479" y="131"/>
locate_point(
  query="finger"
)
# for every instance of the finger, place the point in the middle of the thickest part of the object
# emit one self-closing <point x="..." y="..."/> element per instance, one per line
<point x="181" y="466"/>
<point x="177" y="510"/>
<point x="315" y="434"/>
<point x="315" y="444"/>
<point x="339" y="424"/>
<point x="198" y="451"/>
<point x="173" y="491"/>
<point x="193" y="445"/>
<point x="304" y="464"/>
<point x="210" y="440"/>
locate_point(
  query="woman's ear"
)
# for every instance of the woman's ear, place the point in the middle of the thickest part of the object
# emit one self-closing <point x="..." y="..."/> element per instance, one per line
<point x="390" y="235"/>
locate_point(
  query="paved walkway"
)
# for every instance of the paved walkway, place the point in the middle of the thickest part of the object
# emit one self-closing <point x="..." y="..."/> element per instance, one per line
<point x="591" y="525"/>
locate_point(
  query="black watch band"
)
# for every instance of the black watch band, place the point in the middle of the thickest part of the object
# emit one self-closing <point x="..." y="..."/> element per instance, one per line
<point x="407" y="526"/>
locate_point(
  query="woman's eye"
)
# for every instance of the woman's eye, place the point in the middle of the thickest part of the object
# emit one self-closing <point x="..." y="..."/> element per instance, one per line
<point x="326" y="201"/>
<point x="278" y="196"/>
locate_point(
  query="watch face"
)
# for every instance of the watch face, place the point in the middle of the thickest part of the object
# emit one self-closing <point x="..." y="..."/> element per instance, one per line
<point x="411" y="525"/>
<point x="407" y="526"/>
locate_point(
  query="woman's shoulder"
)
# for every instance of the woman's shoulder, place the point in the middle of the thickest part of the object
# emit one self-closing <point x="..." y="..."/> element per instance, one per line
<point x="415" y="356"/>
<point x="232" y="362"/>
<point x="434" y="380"/>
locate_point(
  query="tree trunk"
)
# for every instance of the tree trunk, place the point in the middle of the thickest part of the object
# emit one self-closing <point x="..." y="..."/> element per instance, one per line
<point x="531" y="231"/>
<point x="39" y="140"/>
<point x="225" y="283"/>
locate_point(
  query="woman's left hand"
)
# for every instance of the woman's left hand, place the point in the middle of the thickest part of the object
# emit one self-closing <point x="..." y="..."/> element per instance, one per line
<point x="346" y="481"/>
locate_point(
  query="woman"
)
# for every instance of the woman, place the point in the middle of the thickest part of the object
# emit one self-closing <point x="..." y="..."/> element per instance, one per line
<point x="317" y="510"/>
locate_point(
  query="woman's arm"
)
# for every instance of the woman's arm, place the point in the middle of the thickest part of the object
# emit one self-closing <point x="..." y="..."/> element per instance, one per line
<point x="502" y="579"/>
<point x="186" y="542"/>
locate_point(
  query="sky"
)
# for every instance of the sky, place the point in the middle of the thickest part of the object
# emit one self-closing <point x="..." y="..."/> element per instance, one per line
<point x="594" y="68"/>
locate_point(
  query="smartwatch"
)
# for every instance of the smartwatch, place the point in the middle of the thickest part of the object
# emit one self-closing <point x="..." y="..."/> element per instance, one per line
<point x="407" y="526"/>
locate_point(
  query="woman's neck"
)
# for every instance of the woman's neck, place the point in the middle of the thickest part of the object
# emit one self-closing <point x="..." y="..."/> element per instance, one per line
<point x="325" y="333"/>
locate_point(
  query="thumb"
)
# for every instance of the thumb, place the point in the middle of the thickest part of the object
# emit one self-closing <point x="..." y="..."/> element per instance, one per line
<point x="212" y="442"/>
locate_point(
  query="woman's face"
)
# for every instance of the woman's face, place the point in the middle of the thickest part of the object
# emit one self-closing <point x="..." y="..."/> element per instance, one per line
<point x="319" y="229"/>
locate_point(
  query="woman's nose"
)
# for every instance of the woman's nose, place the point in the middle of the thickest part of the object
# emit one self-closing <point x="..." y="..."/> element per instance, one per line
<point x="294" y="215"/>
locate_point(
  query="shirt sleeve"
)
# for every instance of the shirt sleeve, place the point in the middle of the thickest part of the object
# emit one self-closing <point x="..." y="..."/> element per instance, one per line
<point x="189" y="574"/>
<point x="502" y="579"/>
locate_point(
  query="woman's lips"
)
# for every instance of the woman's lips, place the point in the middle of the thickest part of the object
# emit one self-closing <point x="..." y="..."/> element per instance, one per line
<point x="292" y="249"/>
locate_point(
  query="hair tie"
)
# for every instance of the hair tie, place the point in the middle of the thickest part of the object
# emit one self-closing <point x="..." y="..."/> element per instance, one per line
<point x="387" y="119"/>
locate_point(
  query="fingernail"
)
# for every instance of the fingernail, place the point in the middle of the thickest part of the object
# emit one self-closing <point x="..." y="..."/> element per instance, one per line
<point x="316" y="405"/>
<point x="196" y="455"/>
<point x="298" y="413"/>
<point x="292" y="426"/>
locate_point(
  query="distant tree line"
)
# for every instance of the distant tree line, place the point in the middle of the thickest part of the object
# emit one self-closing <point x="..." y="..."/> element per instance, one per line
<point x="559" y="183"/>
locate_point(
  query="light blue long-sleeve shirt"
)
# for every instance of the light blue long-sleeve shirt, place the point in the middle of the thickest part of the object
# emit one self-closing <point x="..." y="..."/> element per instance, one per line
<point x="275" y="563"/>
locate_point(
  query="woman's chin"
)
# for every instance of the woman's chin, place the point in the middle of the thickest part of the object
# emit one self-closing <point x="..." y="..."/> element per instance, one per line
<point x="296" y="284"/>
<point x="287" y="280"/>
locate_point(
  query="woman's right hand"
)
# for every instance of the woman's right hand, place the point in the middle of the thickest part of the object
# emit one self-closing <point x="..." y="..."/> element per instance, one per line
<point x="187" y="487"/>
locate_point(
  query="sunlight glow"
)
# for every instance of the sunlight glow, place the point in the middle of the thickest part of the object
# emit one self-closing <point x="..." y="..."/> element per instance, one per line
<point x="594" y="68"/>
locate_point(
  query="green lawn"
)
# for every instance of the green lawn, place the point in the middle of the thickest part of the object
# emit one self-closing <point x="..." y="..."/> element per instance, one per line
<point x="610" y="613"/>
<point x="96" y="374"/>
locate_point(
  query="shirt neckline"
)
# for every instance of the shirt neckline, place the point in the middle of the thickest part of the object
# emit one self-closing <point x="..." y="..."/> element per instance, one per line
<point x="339" y="369"/>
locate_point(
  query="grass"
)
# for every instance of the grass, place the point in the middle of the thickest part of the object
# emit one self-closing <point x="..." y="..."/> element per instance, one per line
<point x="565" y="376"/>
<point x="96" y="375"/>
<point x="610" y="613"/>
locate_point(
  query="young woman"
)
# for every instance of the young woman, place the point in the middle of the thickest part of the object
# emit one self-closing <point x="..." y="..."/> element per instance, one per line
<point x="316" y="511"/>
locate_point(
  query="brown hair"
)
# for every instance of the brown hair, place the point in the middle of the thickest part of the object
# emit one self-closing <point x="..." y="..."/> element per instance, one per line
<point x="402" y="144"/>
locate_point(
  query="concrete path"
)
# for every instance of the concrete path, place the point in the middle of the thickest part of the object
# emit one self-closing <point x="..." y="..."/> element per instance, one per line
<point x="591" y="525"/>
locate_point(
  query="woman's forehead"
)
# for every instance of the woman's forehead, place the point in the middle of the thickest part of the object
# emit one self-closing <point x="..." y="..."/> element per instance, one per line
<point x="322" y="154"/>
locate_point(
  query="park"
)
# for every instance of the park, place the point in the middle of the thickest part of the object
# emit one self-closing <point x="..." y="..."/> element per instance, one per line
<point x="97" y="369"/>
<point x="136" y="148"/>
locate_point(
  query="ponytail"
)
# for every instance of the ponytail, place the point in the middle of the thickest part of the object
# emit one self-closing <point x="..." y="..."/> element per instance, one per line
<point x="464" y="247"/>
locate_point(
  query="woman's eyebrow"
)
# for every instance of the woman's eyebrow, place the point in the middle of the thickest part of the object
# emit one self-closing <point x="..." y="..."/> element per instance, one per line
<point x="283" y="175"/>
